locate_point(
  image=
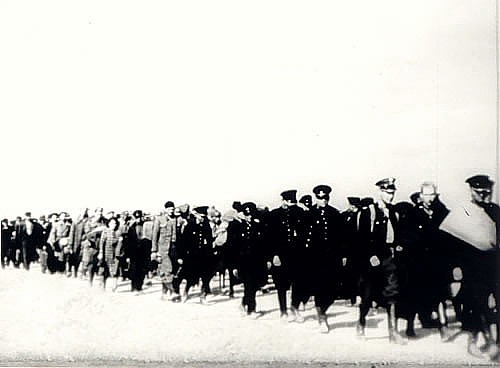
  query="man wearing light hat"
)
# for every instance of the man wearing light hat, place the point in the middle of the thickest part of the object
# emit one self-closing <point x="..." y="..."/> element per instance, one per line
<point x="427" y="291"/>
<point x="325" y="240"/>
<point x="286" y="233"/>
<point x="379" y="240"/>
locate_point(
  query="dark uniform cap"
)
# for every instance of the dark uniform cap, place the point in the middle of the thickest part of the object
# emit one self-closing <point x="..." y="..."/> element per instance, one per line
<point x="289" y="195"/>
<point x="354" y="201"/>
<point x="249" y="208"/>
<point x="415" y="197"/>
<point x="138" y="214"/>
<point x="169" y="204"/>
<point x="480" y="182"/>
<point x="237" y="206"/>
<point x="305" y="199"/>
<point x="202" y="210"/>
<point x="322" y="191"/>
<point x="367" y="201"/>
<point x="386" y="184"/>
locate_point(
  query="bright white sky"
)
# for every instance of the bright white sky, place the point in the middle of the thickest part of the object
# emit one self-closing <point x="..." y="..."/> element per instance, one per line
<point x="127" y="104"/>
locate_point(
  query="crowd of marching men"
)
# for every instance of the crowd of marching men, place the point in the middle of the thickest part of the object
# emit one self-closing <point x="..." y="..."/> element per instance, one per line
<point x="412" y="258"/>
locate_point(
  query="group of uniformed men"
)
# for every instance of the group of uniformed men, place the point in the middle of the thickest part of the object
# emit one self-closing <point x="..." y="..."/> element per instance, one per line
<point x="411" y="258"/>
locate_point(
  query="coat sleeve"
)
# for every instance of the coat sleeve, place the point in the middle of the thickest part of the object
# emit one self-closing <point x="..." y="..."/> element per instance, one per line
<point x="154" y="238"/>
<point x="102" y="240"/>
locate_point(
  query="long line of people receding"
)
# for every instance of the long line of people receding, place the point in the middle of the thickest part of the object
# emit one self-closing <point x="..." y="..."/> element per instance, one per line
<point x="412" y="258"/>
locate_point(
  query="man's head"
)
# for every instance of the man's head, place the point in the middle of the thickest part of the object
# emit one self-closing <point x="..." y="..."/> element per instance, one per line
<point x="322" y="194"/>
<point x="216" y="217"/>
<point x="354" y="203"/>
<point x="481" y="187"/>
<point x="428" y="193"/>
<point x="249" y="209"/>
<point x="306" y="200"/>
<point x="387" y="189"/>
<point x="138" y="216"/>
<point x="200" y="213"/>
<point x="288" y="198"/>
<point x="169" y="208"/>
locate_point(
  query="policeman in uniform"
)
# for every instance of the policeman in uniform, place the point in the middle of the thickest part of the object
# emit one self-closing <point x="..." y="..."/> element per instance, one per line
<point x="325" y="240"/>
<point x="196" y="254"/>
<point x="378" y="227"/>
<point x="251" y="264"/>
<point x="286" y="232"/>
<point x="350" y="282"/>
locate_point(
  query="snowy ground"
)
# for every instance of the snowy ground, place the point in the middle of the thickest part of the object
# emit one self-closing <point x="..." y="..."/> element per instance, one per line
<point x="50" y="318"/>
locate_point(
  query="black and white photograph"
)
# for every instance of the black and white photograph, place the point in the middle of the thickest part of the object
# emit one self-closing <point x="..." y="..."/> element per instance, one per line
<point x="249" y="183"/>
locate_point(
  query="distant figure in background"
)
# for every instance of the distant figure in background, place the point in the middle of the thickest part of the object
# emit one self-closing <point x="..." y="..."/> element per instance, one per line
<point x="138" y="250"/>
<point x="110" y="248"/>
<point x="6" y="242"/>
<point x="164" y="234"/>
<point x="96" y="225"/>
<point x="17" y="245"/>
<point x="78" y="240"/>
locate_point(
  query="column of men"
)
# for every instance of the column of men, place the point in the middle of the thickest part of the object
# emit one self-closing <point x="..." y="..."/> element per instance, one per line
<point x="410" y="258"/>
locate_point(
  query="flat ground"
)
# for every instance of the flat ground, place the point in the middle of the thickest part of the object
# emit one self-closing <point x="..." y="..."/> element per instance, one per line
<point x="49" y="319"/>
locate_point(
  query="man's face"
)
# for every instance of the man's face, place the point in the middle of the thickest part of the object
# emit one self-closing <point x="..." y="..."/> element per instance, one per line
<point x="322" y="202"/>
<point x="177" y="212"/>
<point x="285" y="203"/>
<point x="169" y="211"/>
<point x="481" y="195"/>
<point x="387" y="196"/>
<point x="427" y="195"/>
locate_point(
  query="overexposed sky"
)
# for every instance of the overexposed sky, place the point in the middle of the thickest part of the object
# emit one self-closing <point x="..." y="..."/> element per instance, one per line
<point x="127" y="104"/>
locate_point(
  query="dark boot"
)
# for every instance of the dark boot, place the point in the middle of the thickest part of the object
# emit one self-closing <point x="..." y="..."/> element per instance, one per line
<point x="410" y="328"/>
<point x="392" y="325"/>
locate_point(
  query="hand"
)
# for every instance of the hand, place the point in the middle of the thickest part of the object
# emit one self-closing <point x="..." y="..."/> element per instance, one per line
<point x="374" y="261"/>
<point x="235" y="272"/>
<point x="344" y="261"/>
<point x="399" y="248"/>
<point x="128" y="260"/>
<point x="99" y="257"/>
<point x="44" y="248"/>
<point x="276" y="261"/>
<point x="153" y="256"/>
<point x="269" y="265"/>
<point x="491" y="302"/>
<point x="180" y="261"/>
